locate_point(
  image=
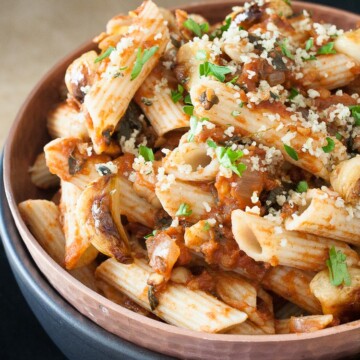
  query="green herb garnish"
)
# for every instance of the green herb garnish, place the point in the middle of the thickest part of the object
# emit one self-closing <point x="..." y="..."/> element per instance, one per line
<point x="195" y="127"/>
<point x="197" y="29"/>
<point x="355" y="113"/>
<point x="150" y="235"/>
<point x="293" y="94"/>
<point x="309" y="44"/>
<point x="217" y="71"/>
<point x="338" y="270"/>
<point x="338" y="136"/>
<point x="184" y="210"/>
<point x="327" y="49"/>
<point x="106" y="54"/>
<point x="206" y="226"/>
<point x="146" y="153"/>
<point x="284" y="49"/>
<point x="141" y="58"/>
<point x="176" y="95"/>
<point x="302" y="187"/>
<point x="330" y="145"/>
<point x="229" y="158"/>
<point x="218" y="32"/>
<point x="291" y="152"/>
<point x="188" y="110"/>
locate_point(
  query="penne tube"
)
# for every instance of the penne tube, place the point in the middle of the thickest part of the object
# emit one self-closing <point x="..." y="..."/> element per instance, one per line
<point x="241" y="295"/>
<point x="111" y="293"/>
<point x="254" y="123"/>
<point x="282" y="326"/>
<point x="80" y="75"/>
<point x="288" y="310"/>
<point x="263" y="240"/>
<point x="78" y="248"/>
<point x="110" y="95"/>
<point x="329" y="72"/>
<point x="41" y="176"/>
<point x="246" y="328"/>
<point x="66" y="120"/>
<point x="42" y="218"/>
<point x="154" y="98"/>
<point x="69" y="159"/>
<point x="98" y="212"/>
<point x="345" y="180"/>
<point x="173" y="193"/>
<point x="325" y="215"/>
<point x="348" y="44"/>
<point x="303" y="324"/>
<point x="340" y="301"/>
<point x="293" y="285"/>
<point x="190" y="162"/>
<point x="177" y="305"/>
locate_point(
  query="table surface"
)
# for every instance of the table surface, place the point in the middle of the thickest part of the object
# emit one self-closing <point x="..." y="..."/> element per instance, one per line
<point x="34" y="36"/>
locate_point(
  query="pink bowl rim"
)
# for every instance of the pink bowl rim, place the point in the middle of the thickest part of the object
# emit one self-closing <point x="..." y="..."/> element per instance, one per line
<point x="21" y="226"/>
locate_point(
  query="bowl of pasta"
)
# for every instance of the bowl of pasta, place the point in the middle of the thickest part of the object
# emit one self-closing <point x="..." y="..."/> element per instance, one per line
<point x="190" y="180"/>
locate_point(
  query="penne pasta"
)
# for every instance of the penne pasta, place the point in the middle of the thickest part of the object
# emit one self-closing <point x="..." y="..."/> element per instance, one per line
<point x="345" y="180"/>
<point x="294" y="286"/>
<point x="42" y="217"/>
<point x="246" y="328"/>
<point x="66" y="120"/>
<point x="109" y="96"/>
<point x="348" y="44"/>
<point x="177" y="305"/>
<point x="78" y="248"/>
<point x="329" y="72"/>
<point x="326" y="215"/>
<point x="271" y="132"/>
<point x="40" y="174"/>
<point x="190" y="162"/>
<point x="69" y="159"/>
<point x="340" y="301"/>
<point x="173" y="193"/>
<point x="154" y="98"/>
<point x="263" y="240"/>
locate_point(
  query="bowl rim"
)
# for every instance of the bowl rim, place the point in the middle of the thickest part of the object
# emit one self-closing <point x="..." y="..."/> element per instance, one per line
<point x="24" y="231"/>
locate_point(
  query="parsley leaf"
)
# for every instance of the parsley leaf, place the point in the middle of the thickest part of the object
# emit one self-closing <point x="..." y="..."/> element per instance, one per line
<point x="206" y="226"/>
<point x="187" y="100"/>
<point x="302" y="187"/>
<point x="235" y="113"/>
<point x="218" y="32"/>
<point x="176" y="95"/>
<point x="355" y="113"/>
<point x="150" y="235"/>
<point x="188" y="110"/>
<point x="310" y="58"/>
<point x="330" y="145"/>
<point x="195" y="127"/>
<point x="146" y="153"/>
<point x="293" y="94"/>
<point x="197" y="29"/>
<point x="327" y="49"/>
<point x="228" y="158"/>
<point x="211" y="144"/>
<point x="291" y="152"/>
<point x="338" y="270"/>
<point x="285" y="50"/>
<point x="338" y="136"/>
<point x="309" y="44"/>
<point x="217" y="71"/>
<point x="184" y="210"/>
<point x="106" y="54"/>
<point x="141" y="59"/>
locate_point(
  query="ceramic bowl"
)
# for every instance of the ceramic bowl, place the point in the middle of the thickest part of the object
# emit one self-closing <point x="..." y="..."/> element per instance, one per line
<point x="26" y="139"/>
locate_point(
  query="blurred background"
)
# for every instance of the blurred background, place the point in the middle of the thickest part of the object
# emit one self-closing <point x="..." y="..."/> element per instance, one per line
<point x="34" y="36"/>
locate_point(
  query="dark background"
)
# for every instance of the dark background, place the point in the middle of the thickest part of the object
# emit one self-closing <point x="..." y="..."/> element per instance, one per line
<point x="21" y="336"/>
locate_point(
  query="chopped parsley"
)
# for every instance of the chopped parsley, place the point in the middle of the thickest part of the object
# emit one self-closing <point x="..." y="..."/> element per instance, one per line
<point x="184" y="210"/>
<point x="338" y="270"/>
<point x="188" y="110"/>
<point x="104" y="55"/>
<point x="293" y="94"/>
<point x="235" y="113"/>
<point x="355" y="113"/>
<point x="217" y="71"/>
<point x="198" y="29"/>
<point x="310" y="58"/>
<point x="177" y="95"/>
<point x="309" y="44"/>
<point x="338" y="136"/>
<point x="195" y="127"/>
<point x="206" y="226"/>
<point x="141" y="58"/>
<point x="291" y="152"/>
<point x="330" y="145"/>
<point x="146" y="153"/>
<point x="327" y="49"/>
<point x="233" y="81"/>
<point x="150" y="235"/>
<point x="302" y="187"/>
<point x="284" y="49"/>
<point x="228" y="158"/>
<point x="218" y="32"/>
